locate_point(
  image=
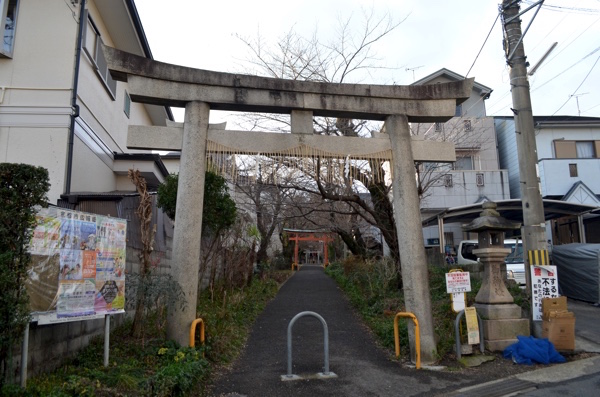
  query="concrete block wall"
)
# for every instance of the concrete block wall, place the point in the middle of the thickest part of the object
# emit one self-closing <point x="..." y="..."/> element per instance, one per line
<point x="52" y="345"/>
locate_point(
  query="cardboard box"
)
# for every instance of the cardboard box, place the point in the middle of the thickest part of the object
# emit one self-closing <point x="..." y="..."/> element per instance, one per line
<point x="553" y="305"/>
<point x="560" y="330"/>
<point x="560" y="315"/>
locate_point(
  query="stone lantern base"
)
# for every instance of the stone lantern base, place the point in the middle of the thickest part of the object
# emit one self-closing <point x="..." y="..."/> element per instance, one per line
<point x="501" y="324"/>
<point x="501" y="317"/>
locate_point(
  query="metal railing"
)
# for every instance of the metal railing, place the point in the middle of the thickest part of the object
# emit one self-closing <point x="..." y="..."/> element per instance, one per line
<point x="193" y="332"/>
<point x="417" y="335"/>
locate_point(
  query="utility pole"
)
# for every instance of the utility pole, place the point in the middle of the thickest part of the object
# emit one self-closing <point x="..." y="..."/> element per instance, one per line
<point x="534" y="224"/>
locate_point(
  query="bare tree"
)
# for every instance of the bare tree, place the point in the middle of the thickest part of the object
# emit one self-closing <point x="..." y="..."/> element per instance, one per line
<point x="348" y="58"/>
<point x="147" y="231"/>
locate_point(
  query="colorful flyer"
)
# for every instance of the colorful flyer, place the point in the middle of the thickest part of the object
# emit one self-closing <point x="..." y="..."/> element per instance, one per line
<point x="46" y="236"/>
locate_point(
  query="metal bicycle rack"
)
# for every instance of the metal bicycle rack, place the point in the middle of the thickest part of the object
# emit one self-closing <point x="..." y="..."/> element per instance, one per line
<point x="326" y="374"/>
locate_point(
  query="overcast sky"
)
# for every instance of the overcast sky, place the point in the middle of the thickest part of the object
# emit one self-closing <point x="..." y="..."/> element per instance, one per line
<point x="435" y="34"/>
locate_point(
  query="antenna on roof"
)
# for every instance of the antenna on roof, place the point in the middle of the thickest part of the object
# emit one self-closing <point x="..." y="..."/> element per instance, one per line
<point x="413" y="71"/>
<point x="577" y="99"/>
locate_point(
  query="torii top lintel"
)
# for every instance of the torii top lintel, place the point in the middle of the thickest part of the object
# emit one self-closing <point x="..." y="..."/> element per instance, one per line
<point x="166" y="84"/>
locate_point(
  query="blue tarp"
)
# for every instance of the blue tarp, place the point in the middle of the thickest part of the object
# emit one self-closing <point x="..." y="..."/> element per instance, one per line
<point x="529" y="350"/>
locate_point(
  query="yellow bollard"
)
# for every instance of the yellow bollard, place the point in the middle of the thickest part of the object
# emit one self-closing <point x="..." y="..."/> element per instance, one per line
<point x="193" y="332"/>
<point x="417" y="335"/>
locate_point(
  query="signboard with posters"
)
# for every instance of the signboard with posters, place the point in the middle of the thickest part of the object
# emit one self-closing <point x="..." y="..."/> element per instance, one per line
<point x="544" y="284"/>
<point x="78" y="267"/>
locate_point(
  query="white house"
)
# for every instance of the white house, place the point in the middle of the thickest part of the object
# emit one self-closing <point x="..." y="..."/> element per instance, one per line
<point x="475" y="176"/>
<point x="59" y="106"/>
<point x="61" y="109"/>
<point x="568" y="154"/>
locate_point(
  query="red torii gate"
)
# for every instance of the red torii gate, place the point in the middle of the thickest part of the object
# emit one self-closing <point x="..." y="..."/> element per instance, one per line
<point x="309" y="235"/>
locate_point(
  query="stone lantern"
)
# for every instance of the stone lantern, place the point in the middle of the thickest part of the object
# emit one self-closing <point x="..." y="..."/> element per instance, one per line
<point x="502" y="320"/>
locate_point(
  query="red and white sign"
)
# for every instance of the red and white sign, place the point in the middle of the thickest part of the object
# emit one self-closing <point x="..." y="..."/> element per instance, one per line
<point x="544" y="284"/>
<point x="458" y="282"/>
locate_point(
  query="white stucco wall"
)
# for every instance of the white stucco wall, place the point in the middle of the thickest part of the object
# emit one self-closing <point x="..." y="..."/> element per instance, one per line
<point x="556" y="180"/>
<point x="35" y="109"/>
<point x="546" y="136"/>
<point x="90" y="173"/>
<point x="465" y="191"/>
<point x="50" y="152"/>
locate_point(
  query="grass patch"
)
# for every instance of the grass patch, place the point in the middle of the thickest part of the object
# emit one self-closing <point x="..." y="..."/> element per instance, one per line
<point x="372" y="289"/>
<point x="154" y="366"/>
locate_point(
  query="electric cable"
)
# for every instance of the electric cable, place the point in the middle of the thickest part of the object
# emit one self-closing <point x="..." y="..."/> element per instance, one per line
<point x="483" y="45"/>
<point x="578" y="87"/>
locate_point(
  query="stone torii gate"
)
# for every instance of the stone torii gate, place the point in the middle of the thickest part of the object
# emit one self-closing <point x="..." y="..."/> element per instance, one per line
<point x="199" y="91"/>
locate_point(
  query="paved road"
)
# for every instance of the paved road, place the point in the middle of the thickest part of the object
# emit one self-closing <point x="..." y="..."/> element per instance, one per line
<point x="362" y="368"/>
<point x="587" y="325"/>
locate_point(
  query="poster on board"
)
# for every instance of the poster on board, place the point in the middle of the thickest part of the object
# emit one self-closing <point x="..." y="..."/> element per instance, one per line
<point x="78" y="267"/>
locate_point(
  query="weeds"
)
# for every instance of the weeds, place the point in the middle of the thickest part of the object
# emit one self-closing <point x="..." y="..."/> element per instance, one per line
<point x="370" y="286"/>
<point x="153" y="366"/>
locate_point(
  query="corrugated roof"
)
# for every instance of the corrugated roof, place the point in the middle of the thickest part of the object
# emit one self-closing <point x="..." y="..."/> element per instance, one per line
<point x="509" y="209"/>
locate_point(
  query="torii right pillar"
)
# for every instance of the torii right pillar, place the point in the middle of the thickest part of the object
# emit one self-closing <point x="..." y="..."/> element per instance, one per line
<point x="412" y="250"/>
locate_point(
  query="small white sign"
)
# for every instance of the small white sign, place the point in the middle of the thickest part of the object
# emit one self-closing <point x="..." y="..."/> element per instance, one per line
<point x="544" y="284"/>
<point x="458" y="282"/>
<point x="458" y="301"/>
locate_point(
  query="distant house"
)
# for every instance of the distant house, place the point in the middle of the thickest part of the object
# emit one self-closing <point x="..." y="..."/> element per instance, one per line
<point x="59" y="106"/>
<point x="475" y="176"/>
<point x="568" y="154"/>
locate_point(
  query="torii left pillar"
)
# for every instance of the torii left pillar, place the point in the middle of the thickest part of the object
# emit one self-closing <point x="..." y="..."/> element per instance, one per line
<point x="188" y="220"/>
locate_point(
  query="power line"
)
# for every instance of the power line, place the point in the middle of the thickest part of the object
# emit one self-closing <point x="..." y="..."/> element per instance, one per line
<point x="563" y="48"/>
<point x="584" y="79"/>
<point x="550" y="7"/>
<point x="483" y="45"/>
<point x="570" y="67"/>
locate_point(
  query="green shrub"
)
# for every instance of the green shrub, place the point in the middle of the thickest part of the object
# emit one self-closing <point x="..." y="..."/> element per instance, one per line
<point x="22" y="188"/>
<point x="219" y="211"/>
<point x="370" y="286"/>
<point x="154" y="366"/>
<point x="228" y="315"/>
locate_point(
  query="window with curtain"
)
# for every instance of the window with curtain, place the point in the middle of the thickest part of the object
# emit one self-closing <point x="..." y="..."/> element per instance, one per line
<point x="585" y="150"/>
